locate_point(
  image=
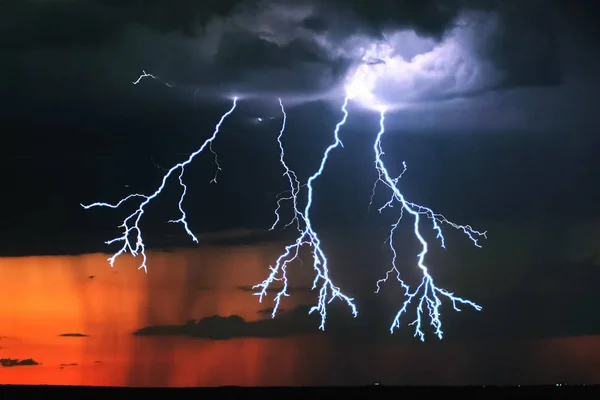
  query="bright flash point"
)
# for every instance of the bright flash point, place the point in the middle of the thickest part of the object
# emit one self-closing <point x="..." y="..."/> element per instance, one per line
<point x="362" y="82"/>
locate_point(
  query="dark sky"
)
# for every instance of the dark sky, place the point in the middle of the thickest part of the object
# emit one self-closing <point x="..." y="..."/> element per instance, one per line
<point x="501" y="124"/>
<point x="76" y="129"/>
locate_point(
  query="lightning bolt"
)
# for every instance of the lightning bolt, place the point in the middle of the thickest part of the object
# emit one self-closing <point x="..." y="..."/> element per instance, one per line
<point x="307" y="236"/>
<point x="130" y="224"/>
<point x="292" y="180"/>
<point x="167" y="84"/>
<point x="147" y="75"/>
<point x="430" y="294"/>
<point x="427" y="293"/>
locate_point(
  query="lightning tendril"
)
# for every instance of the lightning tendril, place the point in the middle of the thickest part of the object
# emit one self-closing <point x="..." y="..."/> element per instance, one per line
<point x="292" y="180"/>
<point x="131" y="224"/>
<point x="429" y="293"/>
<point x="307" y="236"/>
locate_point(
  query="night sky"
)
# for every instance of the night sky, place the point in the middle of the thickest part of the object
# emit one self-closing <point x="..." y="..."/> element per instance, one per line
<point x="497" y="123"/>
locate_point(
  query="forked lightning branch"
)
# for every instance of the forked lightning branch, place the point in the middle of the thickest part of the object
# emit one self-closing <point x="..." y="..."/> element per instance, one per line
<point x="426" y="297"/>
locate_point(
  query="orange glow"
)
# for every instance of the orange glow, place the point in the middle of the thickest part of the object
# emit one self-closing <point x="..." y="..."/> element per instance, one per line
<point x="43" y="297"/>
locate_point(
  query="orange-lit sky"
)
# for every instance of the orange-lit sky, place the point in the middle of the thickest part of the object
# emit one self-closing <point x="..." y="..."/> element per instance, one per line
<point x="495" y="120"/>
<point x="44" y="297"/>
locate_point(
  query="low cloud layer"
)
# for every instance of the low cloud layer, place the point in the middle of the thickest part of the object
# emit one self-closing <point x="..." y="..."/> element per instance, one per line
<point x="73" y="335"/>
<point x="523" y="313"/>
<point x="224" y="328"/>
<point x="10" y="362"/>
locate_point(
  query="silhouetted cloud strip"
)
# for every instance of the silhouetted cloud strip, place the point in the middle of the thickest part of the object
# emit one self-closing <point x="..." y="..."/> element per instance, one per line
<point x="520" y="315"/>
<point x="73" y="335"/>
<point x="9" y="362"/>
<point x="295" y="322"/>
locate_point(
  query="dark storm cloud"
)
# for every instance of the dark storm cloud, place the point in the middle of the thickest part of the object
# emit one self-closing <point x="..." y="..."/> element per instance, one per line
<point x="73" y="335"/>
<point x="29" y="25"/>
<point x="294" y="322"/>
<point x="79" y="23"/>
<point x="296" y="48"/>
<point x="427" y="17"/>
<point x="525" y="313"/>
<point x="9" y="362"/>
<point x="526" y="48"/>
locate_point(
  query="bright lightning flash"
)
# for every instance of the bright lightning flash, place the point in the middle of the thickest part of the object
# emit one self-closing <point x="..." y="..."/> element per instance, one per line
<point x="307" y="236"/>
<point x="360" y="87"/>
<point x="430" y="294"/>
<point x="130" y="224"/>
<point x="147" y="75"/>
<point x="292" y="180"/>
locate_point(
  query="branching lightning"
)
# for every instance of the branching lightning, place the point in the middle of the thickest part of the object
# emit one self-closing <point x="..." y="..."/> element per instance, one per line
<point x="147" y="75"/>
<point x="307" y="236"/>
<point x="429" y="293"/>
<point x="131" y="225"/>
<point x="292" y="180"/>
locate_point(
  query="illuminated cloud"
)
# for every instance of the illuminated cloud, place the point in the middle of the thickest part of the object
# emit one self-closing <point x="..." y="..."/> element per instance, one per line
<point x="274" y="51"/>
<point x="449" y="55"/>
<point x="404" y="69"/>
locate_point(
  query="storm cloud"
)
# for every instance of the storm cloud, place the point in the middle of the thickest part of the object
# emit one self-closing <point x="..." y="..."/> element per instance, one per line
<point x="10" y="362"/>
<point x="297" y="49"/>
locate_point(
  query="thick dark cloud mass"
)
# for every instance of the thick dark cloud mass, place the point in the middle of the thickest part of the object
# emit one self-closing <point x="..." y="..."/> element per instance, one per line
<point x="533" y="309"/>
<point x="520" y="315"/>
<point x="297" y="49"/>
<point x="223" y="328"/>
<point x="536" y="307"/>
<point x="73" y="335"/>
<point x="101" y="21"/>
<point x="77" y="23"/>
<point x="10" y="362"/>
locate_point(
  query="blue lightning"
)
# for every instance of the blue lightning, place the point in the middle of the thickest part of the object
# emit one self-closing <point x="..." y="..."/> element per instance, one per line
<point x="430" y="293"/>
<point x="292" y="180"/>
<point x="307" y="236"/>
<point x="147" y="75"/>
<point x="130" y="224"/>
